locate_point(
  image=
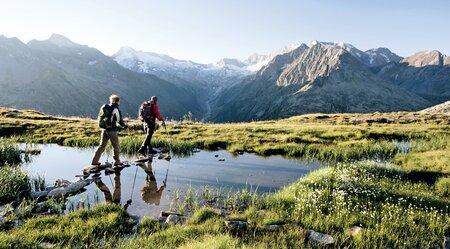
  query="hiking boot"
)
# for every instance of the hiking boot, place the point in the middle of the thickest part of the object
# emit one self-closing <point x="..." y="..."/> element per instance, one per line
<point x="109" y="171"/>
<point x="152" y="151"/>
<point x="142" y="151"/>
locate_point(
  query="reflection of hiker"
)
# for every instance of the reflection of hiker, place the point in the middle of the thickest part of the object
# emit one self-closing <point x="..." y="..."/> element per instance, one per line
<point x="150" y="192"/>
<point x="148" y="112"/>
<point x="116" y="196"/>
<point x="108" y="118"/>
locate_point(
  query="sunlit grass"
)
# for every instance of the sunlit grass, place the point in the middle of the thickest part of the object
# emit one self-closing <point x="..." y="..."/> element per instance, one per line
<point x="81" y="228"/>
<point x="403" y="204"/>
<point x="14" y="183"/>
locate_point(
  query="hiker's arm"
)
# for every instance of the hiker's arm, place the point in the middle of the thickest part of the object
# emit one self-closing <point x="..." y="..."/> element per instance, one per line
<point x="119" y="118"/>
<point x="157" y="113"/>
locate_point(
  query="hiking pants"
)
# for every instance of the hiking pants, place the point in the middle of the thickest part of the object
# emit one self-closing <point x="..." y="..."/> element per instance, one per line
<point x="149" y="128"/>
<point x="107" y="135"/>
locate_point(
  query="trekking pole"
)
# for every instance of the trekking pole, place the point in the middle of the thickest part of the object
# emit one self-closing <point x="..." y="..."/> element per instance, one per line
<point x="168" y="141"/>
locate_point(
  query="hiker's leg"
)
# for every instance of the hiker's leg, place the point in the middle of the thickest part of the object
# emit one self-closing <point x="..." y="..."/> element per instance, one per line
<point x="100" y="148"/>
<point x="143" y="149"/>
<point x="148" y="129"/>
<point x="148" y="138"/>
<point x="115" y="144"/>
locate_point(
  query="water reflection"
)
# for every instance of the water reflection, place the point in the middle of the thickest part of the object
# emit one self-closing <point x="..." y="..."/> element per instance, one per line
<point x="150" y="192"/>
<point x="152" y="188"/>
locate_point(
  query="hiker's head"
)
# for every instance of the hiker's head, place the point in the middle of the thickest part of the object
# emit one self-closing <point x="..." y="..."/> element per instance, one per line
<point x="114" y="99"/>
<point x="154" y="99"/>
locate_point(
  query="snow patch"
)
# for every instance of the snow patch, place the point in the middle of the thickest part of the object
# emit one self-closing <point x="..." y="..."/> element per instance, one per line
<point x="386" y="57"/>
<point x="92" y="62"/>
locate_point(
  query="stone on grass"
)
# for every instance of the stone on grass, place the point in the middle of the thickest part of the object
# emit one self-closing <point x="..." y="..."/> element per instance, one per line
<point x="320" y="238"/>
<point x="274" y="228"/>
<point x="46" y="245"/>
<point x="354" y="231"/>
<point x="172" y="219"/>
<point x="221" y="159"/>
<point x="236" y="225"/>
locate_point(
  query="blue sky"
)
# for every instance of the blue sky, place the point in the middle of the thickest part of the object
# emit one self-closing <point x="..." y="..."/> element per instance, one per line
<point x="208" y="30"/>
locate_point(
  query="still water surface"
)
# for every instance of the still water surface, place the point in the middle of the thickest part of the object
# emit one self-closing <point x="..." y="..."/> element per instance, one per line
<point x="149" y="195"/>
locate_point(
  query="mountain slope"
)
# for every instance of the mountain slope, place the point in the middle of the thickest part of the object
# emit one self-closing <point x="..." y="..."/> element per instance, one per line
<point x="425" y="73"/>
<point x="58" y="76"/>
<point x="313" y="79"/>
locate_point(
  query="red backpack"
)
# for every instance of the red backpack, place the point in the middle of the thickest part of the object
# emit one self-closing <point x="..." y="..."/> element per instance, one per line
<point x="146" y="111"/>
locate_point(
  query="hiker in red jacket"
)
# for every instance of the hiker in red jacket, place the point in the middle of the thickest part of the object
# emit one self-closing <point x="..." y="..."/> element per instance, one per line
<point x="148" y="113"/>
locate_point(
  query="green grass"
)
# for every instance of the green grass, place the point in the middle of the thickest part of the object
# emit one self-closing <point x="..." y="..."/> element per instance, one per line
<point x="81" y="228"/>
<point x="402" y="203"/>
<point x="9" y="153"/>
<point x="394" y="212"/>
<point x="334" y="137"/>
<point x="15" y="183"/>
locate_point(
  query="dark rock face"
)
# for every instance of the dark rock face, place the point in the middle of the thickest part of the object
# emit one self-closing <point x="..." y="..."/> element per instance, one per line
<point x="315" y="79"/>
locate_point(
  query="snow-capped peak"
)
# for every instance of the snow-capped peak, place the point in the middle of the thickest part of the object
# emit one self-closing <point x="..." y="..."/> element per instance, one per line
<point x="256" y="61"/>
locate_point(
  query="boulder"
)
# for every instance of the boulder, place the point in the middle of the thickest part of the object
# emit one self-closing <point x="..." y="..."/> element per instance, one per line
<point x="172" y="219"/>
<point x="320" y="238"/>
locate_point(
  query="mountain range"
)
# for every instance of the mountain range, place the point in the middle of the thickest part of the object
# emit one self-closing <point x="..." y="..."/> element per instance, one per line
<point x="58" y="76"/>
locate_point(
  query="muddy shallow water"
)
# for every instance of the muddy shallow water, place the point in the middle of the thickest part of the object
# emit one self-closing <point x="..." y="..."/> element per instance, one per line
<point x="150" y="196"/>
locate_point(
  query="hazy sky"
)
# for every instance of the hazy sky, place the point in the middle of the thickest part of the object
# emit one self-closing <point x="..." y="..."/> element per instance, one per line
<point x="208" y="30"/>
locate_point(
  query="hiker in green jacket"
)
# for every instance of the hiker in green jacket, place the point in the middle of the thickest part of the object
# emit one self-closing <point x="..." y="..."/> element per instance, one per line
<point x="111" y="116"/>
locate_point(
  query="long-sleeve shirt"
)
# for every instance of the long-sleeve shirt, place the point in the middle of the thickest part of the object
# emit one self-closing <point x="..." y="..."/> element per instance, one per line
<point x="157" y="113"/>
<point x="116" y="117"/>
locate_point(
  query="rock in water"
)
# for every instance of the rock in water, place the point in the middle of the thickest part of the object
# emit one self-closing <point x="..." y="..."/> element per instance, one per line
<point x="320" y="238"/>
<point x="72" y="188"/>
<point x="56" y="193"/>
<point x="61" y="183"/>
<point x="39" y="195"/>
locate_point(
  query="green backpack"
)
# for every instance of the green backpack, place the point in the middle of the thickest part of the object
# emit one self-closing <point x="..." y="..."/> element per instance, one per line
<point x="105" y="117"/>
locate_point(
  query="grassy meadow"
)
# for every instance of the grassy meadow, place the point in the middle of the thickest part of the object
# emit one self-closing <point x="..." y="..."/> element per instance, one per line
<point x="389" y="174"/>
